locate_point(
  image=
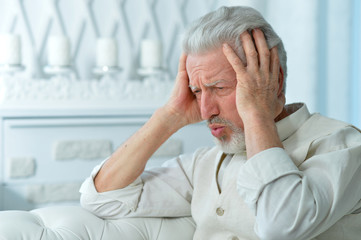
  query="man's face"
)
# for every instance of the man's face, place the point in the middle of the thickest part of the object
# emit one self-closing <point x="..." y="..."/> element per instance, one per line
<point x="213" y="82"/>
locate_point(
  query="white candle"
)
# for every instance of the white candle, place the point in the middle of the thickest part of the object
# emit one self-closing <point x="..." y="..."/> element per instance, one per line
<point x="106" y="52"/>
<point x="10" y="49"/>
<point x="59" y="51"/>
<point x="151" y="54"/>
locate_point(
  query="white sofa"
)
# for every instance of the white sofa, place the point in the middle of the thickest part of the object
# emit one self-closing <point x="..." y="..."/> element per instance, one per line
<point x="72" y="222"/>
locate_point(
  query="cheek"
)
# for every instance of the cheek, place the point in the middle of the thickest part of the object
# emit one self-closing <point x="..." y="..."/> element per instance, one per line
<point x="229" y="103"/>
<point x="230" y="112"/>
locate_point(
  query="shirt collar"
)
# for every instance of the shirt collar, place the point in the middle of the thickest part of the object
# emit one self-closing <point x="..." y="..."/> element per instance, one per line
<point x="288" y="125"/>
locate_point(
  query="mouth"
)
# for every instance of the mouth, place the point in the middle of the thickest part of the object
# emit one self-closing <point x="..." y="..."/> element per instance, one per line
<point x="217" y="130"/>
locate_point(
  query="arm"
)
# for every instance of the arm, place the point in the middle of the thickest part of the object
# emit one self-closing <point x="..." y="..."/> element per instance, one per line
<point x="129" y="160"/>
<point x="289" y="202"/>
<point x="302" y="202"/>
<point x="164" y="191"/>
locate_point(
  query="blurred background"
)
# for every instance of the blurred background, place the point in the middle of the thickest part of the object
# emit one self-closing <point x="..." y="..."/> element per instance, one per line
<point x="322" y="39"/>
<point x="103" y="66"/>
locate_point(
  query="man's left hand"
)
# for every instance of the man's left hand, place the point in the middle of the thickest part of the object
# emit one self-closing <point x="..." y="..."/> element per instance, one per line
<point x="259" y="84"/>
<point x="259" y="96"/>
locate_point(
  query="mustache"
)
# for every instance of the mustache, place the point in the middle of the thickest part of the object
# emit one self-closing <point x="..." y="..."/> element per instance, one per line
<point x="217" y="119"/>
<point x="228" y="123"/>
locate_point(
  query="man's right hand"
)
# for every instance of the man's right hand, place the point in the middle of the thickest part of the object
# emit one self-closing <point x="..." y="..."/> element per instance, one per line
<point x="130" y="159"/>
<point x="182" y="102"/>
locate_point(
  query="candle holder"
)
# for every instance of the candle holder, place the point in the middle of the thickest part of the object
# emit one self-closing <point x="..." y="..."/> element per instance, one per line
<point x="104" y="70"/>
<point x="60" y="71"/>
<point x="107" y="71"/>
<point x="151" y="61"/>
<point x="153" y="74"/>
<point x="106" y="59"/>
<point x="11" y="69"/>
<point x="150" y="71"/>
<point x="10" y="54"/>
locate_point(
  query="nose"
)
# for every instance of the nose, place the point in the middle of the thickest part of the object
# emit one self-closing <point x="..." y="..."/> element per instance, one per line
<point x="209" y="106"/>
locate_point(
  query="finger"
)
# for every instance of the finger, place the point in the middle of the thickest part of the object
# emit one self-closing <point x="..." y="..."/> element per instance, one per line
<point x="182" y="62"/>
<point x="233" y="59"/>
<point x="182" y="76"/>
<point x="274" y="67"/>
<point x="262" y="49"/>
<point x="250" y="51"/>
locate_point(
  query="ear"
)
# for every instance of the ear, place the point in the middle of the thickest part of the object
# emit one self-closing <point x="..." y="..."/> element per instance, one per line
<point x="280" y="81"/>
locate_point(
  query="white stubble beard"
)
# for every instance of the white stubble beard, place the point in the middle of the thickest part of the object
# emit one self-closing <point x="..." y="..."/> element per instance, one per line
<point x="236" y="143"/>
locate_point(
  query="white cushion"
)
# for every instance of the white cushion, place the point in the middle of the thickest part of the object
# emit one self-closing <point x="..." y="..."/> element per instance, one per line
<point x="73" y="222"/>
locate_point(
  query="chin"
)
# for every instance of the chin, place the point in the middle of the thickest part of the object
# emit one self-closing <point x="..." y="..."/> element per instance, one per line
<point x="234" y="145"/>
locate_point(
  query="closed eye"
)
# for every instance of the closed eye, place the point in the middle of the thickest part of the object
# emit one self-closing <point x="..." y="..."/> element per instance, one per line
<point x="195" y="92"/>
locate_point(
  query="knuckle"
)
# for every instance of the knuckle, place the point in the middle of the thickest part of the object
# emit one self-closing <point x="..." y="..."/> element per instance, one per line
<point x="253" y="54"/>
<point x="276" y="61"/>
<point x="275" y="57"/>
<point x="235" y="61"/>
<point x="266" y="54"/>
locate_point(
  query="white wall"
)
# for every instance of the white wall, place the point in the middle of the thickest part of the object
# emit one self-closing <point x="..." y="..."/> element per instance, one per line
<point x="319" y="36"/>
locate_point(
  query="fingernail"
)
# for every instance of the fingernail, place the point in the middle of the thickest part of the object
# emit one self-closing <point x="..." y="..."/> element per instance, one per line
<point x="225" y="45"/>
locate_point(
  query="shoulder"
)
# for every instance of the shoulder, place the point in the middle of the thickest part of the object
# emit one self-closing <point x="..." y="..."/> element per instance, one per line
<point x="324" y="124"/>
<point x="323" y="127"/>
<point x="336" y="135"/>
<point x="318" y="126"/>
<point x="320" y="134"/>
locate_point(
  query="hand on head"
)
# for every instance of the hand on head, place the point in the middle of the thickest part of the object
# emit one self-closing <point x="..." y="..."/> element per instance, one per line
<point x="259" y="84"/>
<point x="182" y="101"/>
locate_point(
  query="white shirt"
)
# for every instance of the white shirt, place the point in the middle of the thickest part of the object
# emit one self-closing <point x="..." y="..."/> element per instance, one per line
<point x="310" y="188"/>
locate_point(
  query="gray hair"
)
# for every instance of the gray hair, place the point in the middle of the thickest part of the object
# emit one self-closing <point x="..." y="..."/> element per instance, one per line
<point x="225" y="25"/>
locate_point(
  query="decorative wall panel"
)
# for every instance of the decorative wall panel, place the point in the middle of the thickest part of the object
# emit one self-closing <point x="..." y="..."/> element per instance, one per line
<point x="312" y="76"/>
<point x="83" y="21"/>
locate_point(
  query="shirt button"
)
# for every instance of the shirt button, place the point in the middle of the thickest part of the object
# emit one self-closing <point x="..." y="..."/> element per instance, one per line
<point x="234" y="238"/>
<point x="220" y="211"/>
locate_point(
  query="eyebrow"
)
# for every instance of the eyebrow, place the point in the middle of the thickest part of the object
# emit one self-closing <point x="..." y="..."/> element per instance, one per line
<point x="207" y="84"/>
<point x="192" y="87"/>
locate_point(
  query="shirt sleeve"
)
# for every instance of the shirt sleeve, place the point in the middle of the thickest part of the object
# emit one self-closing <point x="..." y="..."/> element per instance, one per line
<point x="159" y="192"/>
<point x="107" y="204"/>
<point x="301" y="202"/>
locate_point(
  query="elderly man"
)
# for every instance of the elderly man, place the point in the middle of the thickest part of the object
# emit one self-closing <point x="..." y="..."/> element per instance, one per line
<point x="277" y="171"/>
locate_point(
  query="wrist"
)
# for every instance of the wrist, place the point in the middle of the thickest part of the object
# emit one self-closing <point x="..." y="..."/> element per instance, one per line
<point x="170" y="119"/>
<point x="260" y="133"/>
<point x="258" y="118"/>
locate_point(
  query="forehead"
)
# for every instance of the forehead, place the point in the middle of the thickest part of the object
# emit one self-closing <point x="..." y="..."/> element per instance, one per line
<point x="208" y="68"/>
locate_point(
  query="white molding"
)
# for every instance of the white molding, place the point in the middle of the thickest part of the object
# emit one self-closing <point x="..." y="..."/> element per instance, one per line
<point x="63" y="92"/>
